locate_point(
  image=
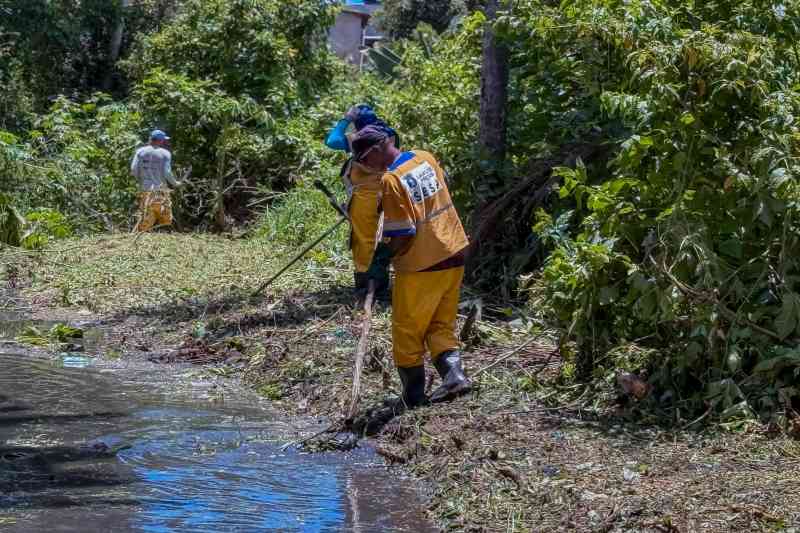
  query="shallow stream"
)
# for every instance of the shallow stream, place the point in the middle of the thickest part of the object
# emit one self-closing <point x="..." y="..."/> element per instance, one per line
<point x="88" y="444"/>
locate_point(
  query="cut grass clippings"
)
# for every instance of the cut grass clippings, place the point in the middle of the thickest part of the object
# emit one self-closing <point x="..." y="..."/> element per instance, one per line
<point x="525" y="451"/>
<point x="112" y="274"/>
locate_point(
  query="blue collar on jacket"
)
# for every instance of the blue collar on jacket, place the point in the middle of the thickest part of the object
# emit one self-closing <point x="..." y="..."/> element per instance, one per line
<point x="402" y="158"/>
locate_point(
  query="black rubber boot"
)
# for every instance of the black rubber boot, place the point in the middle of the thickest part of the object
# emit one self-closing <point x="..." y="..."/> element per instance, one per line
<point x="413" y="396"/>
<point x="413" y="386"/>
<point x="454" y="381"/>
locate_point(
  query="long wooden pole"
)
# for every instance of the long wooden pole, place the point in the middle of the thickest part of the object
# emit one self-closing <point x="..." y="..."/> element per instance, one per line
<point x="298" y="257"/>
<point x="361" y="350"/>
<point x="345" y="218"/>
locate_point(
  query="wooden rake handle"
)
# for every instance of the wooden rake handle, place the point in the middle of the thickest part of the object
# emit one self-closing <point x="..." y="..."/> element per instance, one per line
<point x="345" y="218"/>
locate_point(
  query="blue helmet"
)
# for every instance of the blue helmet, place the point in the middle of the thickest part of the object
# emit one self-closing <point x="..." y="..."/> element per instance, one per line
<point x="367" y="117"/>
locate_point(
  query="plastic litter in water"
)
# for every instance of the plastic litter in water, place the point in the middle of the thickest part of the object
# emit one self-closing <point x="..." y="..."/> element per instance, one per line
<point x="75" y="361"/>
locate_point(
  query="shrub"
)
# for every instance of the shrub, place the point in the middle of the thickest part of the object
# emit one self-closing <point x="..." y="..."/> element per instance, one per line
<point x="688" y="240"/>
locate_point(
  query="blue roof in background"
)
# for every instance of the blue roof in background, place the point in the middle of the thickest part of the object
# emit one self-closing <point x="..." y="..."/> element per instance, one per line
<point x="361" y="7"/>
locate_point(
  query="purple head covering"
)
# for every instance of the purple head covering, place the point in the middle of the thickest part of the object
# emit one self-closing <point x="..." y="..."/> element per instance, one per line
<point x="366" y="139"/>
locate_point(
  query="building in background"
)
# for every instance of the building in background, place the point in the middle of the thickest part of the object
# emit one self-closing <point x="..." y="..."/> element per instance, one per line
<point x="354" y="32"/>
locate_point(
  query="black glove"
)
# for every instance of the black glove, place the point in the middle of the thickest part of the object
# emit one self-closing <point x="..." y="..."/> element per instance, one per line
<point x="379" y="268"/>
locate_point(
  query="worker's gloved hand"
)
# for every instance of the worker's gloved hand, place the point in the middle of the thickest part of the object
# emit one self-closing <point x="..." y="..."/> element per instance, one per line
<point x="361" y="115"/>
<point x="382" y="255"/>
<point x="379" y="268"/>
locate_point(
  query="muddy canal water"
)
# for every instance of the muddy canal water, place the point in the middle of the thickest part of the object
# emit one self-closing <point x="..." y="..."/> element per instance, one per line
<point x="91" y="445"/>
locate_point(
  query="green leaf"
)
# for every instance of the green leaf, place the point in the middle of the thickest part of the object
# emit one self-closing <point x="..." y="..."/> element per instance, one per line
<point x="776" y="364"/>
<point x="608" y="295"/>
<point x="63" y="333"/>
<point x="734" y="360"/>
<point x="199" y="330"/>
<point x="779" y="176"/>
<point x="787" y="319"/>
<point x="737" y="411"/>
<point x="731" y="248"/>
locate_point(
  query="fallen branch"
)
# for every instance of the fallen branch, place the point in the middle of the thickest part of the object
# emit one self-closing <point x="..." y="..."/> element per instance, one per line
<point x="734" y="317"/>
<point x="509" y="354"/>
<point x="702" y="295"/>
<point x="700" y="418"/>
<point x="333" y="428"/>
<point x="358" y="364"/>
<point x="757" y="512"/>
<point x="392" y="456"/>
<point x="316" y="327"/>
<point x="511" y="474"/>
<point x="541" y="410"/>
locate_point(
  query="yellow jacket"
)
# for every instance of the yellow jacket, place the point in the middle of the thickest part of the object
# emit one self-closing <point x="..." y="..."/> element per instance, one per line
<point x="416" y="203"/>
<point x="364" y="205"/>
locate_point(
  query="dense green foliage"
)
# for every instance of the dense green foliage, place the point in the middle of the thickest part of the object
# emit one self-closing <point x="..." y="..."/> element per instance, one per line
<point x="230" y="86"/>
<point x="270" y="51"/>
<point x="399" y="18"/>
<point x="62" y="47"/>
<point x="434" y="101"/>
<point x="678" y="243"/>
<point x="687" y="241"/>
<point x="683" y="239"/>
<point x="230" y="91"/>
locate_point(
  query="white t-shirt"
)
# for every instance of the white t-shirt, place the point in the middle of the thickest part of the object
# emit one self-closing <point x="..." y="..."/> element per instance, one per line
<point x="152" y="166"/>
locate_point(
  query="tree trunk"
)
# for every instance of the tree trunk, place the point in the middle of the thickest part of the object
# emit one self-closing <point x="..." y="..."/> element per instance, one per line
<point x="492" y="135"/>
<point x="494" y="87"/>
<point x="116" y="46"/>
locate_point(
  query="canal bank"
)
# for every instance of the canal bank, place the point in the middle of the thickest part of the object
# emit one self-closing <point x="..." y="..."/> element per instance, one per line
<point x="529" y="450"/>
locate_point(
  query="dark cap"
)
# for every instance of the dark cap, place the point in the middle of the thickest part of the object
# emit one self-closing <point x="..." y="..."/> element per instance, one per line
<point x="366" y="116"/>
<point x="366" y="139"/>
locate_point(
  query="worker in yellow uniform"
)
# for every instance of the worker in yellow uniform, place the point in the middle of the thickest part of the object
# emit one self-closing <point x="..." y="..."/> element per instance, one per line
<point x="364" y="189"/>
<point x="152" y="167"/>
<point x="427" y="244"/>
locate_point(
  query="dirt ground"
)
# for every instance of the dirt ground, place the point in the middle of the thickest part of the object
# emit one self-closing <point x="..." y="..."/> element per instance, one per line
<point x="525" y="451"/>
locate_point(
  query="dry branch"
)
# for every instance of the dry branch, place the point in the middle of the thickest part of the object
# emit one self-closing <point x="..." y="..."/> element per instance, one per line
<point x="509" y="354"/>
<point x="361" y="349"/>
<point x="506" y="221"/>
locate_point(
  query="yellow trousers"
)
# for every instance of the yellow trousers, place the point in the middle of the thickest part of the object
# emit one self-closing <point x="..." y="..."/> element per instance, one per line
<point x="155" y="208"/>
<point x="365" y="220"/>
<point x="424" y="308"/>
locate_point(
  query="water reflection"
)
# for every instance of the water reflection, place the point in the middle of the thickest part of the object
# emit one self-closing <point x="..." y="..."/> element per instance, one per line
<point x="93" y="448"/>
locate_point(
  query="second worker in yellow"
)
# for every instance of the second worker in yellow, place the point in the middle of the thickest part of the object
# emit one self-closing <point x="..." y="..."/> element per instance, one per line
<point x="364" y="190"/>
